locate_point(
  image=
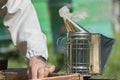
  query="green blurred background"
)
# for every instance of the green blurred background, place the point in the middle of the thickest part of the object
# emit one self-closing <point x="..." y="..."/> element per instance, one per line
<point x="100" y="20"/>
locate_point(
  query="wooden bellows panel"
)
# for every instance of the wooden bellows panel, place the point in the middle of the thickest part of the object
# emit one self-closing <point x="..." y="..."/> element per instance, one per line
<point x="94" y="54"/>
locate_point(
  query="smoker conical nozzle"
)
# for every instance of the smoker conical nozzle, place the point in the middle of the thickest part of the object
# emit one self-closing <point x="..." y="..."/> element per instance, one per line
<point x="74" y="27"/>
<point x="70" y="24"/>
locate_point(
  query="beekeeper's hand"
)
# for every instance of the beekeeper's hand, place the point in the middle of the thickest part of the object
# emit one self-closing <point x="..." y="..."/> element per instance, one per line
<point x="38" y="68"/>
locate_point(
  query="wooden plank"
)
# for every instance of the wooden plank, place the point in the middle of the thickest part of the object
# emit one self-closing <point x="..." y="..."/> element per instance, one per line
<point x="94" y="54"/>
<point x="23" y="76"/>
<point x="65" y="77"/>
<point x="2" y="77"/>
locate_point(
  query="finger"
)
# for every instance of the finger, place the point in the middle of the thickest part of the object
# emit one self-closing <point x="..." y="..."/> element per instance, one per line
<point x="46" y="72"/>
<point x="52" y="69"/>
<point x="33" y="72"/>
<point x="81" y="77"/>
<point x="40" y="73"/>
<point x="56" y="70"/>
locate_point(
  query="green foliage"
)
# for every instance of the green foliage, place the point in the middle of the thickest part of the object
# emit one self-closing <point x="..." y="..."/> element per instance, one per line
<point x="16" y="60"/>
<point x="113" y="66"/>
<point x="56" y="59"/>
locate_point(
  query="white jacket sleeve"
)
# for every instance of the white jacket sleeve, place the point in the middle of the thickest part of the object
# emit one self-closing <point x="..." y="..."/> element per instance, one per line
<point x="22" y="22"/>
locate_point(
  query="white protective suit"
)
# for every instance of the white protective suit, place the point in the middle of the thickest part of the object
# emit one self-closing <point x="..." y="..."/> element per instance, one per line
<point x="22" y="22"/>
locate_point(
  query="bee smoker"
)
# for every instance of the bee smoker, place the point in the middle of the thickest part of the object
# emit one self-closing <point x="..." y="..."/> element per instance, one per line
<point x="77" y="57"/>
<point x="86" y="53"/>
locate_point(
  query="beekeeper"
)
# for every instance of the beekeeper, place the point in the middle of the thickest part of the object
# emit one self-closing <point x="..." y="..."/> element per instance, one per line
<point x="20" y="19"/>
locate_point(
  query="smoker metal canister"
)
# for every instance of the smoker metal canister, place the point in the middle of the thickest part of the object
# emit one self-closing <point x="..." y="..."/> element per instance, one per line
<point x="77" y="57"/>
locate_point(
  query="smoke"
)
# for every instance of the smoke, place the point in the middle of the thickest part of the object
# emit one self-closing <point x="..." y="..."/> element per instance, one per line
<point x="65" y="13"/>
